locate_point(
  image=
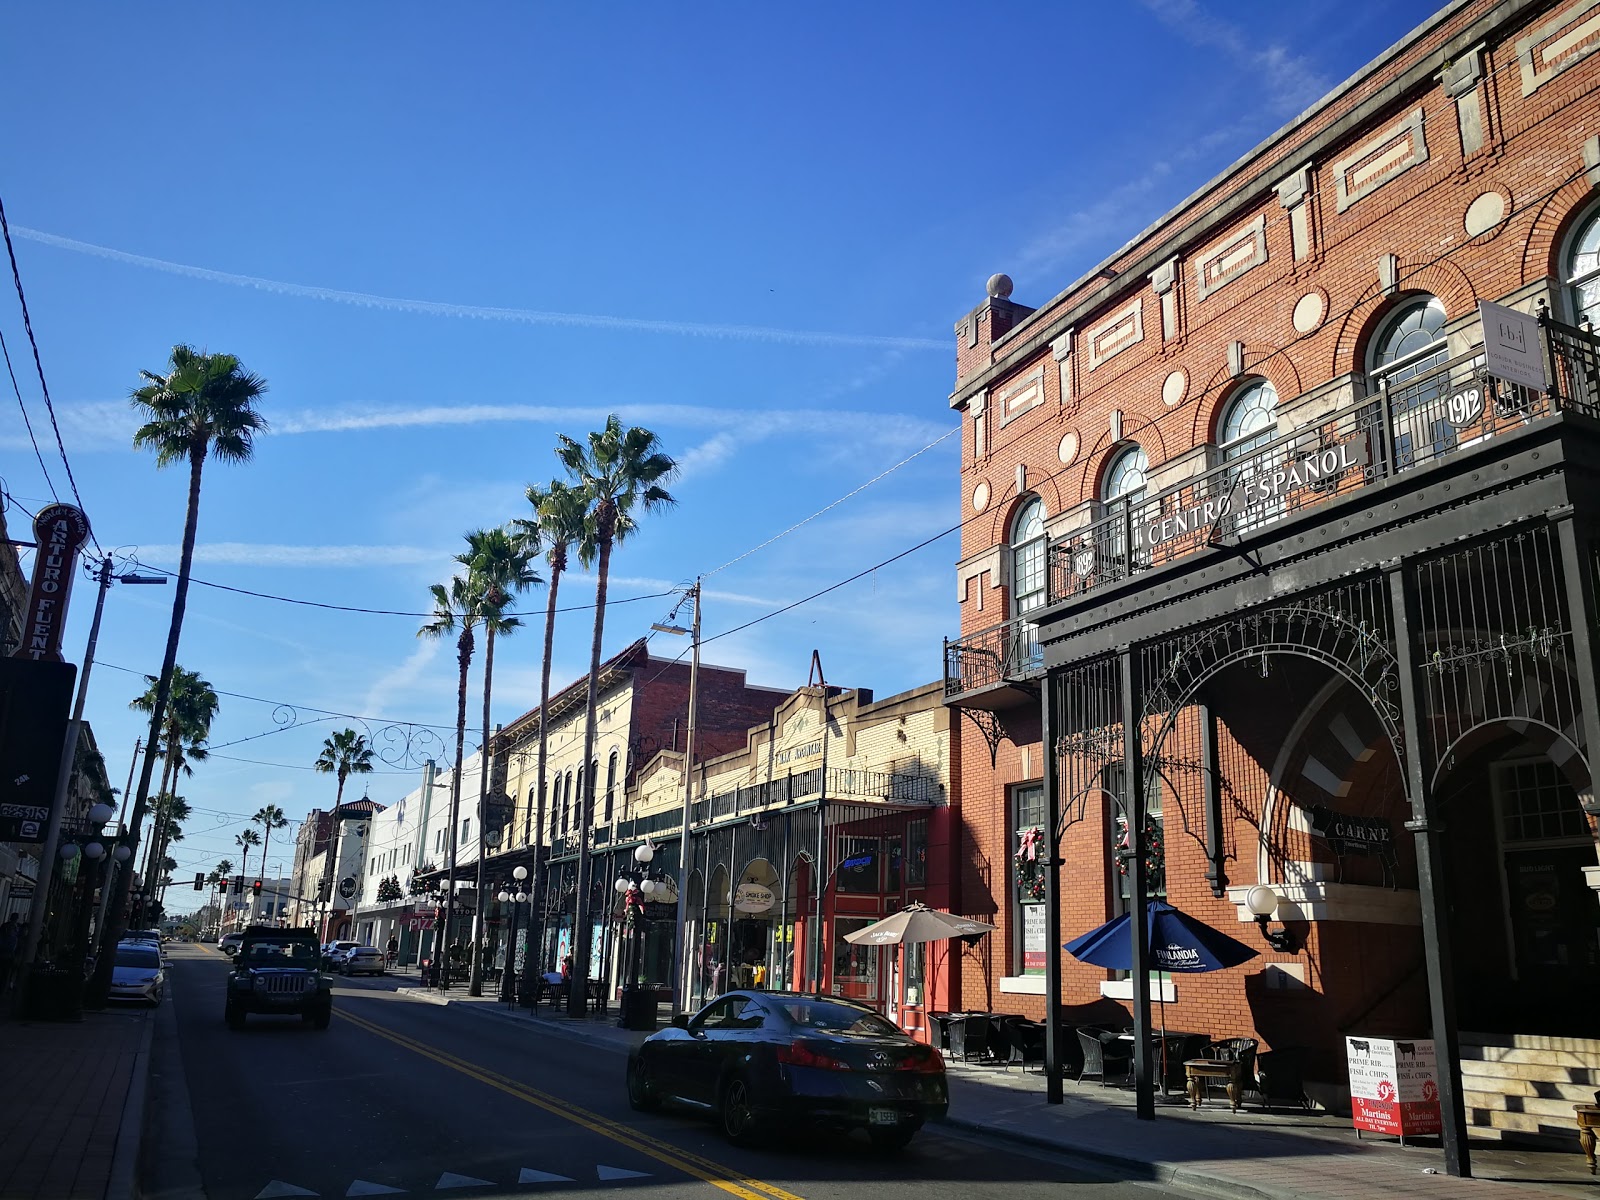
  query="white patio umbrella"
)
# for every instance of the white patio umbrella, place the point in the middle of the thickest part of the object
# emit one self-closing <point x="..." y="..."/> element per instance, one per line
<point x="918" y="923"/>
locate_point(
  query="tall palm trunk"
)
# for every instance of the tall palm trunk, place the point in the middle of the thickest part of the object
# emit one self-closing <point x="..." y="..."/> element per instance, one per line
<point x="558" y="564"/>
<point x="266" y="843"/>
<point x="577" y="997"/>
<point x="475" y="984"/>
<point x="464" y="657"/>
<point x="116" y="924"/>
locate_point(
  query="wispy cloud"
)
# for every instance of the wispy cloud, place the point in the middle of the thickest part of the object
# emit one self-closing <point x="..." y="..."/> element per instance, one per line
<point x="269" y="554"/>
<point x="402" y="679"/>
<point x="1289" y="81"/>
<point x="521" y="316"/>
<point x="1095" y="227"/>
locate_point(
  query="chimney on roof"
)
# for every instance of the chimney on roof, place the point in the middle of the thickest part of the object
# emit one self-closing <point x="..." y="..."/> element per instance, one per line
<point x="985" y="325"/>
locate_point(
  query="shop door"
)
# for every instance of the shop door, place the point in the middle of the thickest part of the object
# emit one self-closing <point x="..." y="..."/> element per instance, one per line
<point x="855" y="968"/>
<point x="1555" y="930"/>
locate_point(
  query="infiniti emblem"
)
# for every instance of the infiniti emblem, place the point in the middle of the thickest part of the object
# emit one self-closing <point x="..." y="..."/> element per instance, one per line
<point x="880" y="1060"/>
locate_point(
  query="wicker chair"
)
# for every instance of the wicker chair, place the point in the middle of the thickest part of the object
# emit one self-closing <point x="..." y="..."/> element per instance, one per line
<point x="1025" y="1041"/>
<point x="969" y="1035"/>
<point x="1101" y="1053"/>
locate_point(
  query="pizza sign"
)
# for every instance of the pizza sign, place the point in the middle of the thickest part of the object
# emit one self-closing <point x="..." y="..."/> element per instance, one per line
<point x="1394" y="1086"/>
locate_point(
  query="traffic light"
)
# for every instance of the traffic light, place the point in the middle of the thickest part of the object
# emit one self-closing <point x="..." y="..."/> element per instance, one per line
<point x="323" y="891"/>
<point x="222" y="887"/>
<point x="199" y="881"/>
<point x="256" y="887"/>
<point x="238" y="885"/>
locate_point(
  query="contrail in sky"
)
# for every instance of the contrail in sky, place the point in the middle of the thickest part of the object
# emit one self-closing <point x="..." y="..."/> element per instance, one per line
<point x="522" y="316"/>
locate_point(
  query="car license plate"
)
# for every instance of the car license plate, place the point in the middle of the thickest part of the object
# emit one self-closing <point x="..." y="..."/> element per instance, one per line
<point x="883" y="1116"/>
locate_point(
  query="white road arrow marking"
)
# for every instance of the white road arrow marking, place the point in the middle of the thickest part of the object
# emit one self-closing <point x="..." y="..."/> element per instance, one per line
<point x="362" y="1187"/>
<point x="279" y="1188"/>
<point x="447" y="1180"/>
<point x="619" y="1173"/>
<point x="531" y="1176"/>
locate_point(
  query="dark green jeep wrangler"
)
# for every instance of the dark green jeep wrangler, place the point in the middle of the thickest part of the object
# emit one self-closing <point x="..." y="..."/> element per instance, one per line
<point x="276" y="971"/>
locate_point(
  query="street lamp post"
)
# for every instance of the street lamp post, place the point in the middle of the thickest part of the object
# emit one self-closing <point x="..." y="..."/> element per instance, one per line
<point x="636" y="1014"/>
<point x="508" y="980"/>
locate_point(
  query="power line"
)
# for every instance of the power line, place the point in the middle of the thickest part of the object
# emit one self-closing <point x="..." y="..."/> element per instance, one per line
<point x="27" y="326"/>
<point x="48" y="482"/>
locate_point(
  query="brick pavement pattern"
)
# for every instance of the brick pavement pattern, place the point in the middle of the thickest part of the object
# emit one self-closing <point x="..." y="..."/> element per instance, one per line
<point x="62" y="1107"/>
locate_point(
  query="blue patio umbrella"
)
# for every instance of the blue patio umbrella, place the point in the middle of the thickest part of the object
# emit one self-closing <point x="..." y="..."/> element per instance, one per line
<point x="1177" y="941"/>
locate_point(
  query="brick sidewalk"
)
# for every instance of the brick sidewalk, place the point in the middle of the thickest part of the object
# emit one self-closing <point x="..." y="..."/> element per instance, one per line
<point x="68" y="1088"/>
<point x="1281" y="1155"/>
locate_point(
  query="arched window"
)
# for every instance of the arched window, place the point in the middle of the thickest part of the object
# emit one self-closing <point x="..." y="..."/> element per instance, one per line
<point x="1249" y="420"/>
<point x="1126" y="476"/>
<point x="1027" y="557"/>
<point x="1583" y="270"/>
<point x="611" y="784"/>
<point x="553" y="816"/>
<point x="1410" y="341"/>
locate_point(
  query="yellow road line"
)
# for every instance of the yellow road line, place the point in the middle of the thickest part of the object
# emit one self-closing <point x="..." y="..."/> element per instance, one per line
<point x="706" y="1169"/>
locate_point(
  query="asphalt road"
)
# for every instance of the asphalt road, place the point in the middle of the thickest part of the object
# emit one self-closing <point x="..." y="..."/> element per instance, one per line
<point x="401" y="1096"/>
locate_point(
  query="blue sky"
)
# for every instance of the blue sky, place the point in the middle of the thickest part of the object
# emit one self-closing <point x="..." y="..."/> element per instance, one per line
<point x="445" y="240"/>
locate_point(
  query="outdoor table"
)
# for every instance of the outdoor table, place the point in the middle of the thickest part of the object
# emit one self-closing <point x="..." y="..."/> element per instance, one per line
<point x="1197" y="1070"/>
<point x="1588" y="1116"/>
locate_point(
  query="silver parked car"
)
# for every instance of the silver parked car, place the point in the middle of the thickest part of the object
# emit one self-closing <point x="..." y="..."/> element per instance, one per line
<point x="362" y="960"/>
<point x="138" y="973"/>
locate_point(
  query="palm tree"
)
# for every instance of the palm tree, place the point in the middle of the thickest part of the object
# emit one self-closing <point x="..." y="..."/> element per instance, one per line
<point x="203" y="406"/>
<point x="269" y="817"/>
<point x="192" y="705"/>
<point x="246" y="839"/>
<point x="499" y="565"/>
<point x="219" y="875"/>
<point x="558" y="522"/>
<point x="456" y="609"/>
<point x="344" y="754"/>
<point x="621" y="471"/>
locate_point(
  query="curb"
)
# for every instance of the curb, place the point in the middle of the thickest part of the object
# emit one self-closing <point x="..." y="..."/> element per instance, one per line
<point x="1120" y="1166"/>
<point x="123" y="1182"/>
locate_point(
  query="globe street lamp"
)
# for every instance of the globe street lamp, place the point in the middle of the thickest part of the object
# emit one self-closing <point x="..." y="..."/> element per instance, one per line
<point x="638" y="1003"/>
<point x="517" y="898"/>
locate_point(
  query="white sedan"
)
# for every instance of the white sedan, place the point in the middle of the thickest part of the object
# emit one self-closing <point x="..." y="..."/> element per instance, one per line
<point x="362" y="960"/>
<point x="138" y="973"/>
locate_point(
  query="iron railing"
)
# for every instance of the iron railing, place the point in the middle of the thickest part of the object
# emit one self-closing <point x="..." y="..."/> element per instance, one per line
<point x="993" y="656"/>
<point x="1399" y="428"/>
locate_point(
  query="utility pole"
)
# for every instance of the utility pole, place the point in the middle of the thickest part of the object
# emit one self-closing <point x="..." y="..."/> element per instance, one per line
<point x="58" y="805"/>
<point x="680" y="976"/>
<point x="69" y="752"/>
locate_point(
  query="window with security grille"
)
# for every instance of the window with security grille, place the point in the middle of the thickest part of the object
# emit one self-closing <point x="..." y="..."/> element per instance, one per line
<point x="1537" y="803"/>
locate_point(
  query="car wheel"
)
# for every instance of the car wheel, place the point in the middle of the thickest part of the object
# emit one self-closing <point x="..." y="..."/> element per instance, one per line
<point x="891" y="1139"/>
<point x="234" y="1017"/>
<point x="641" y="1092"/>
<point x="323" y="1017"/>
<point x="738" y="1114"/>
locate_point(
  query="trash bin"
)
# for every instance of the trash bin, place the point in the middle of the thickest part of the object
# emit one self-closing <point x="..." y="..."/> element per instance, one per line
<point x="637" y="1008"/>
<point x="54" y="994"/>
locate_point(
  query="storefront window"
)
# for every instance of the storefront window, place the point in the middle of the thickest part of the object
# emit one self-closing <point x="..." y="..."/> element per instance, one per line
<point x="893" y="866"/>
<point x="1031" y="860"/>
<point x="1155" y="841"/>
<point x="917" y="853"/>
<point x="858" y="865"/>
<point x="855" y="968"/>
<point x="916" y="973"/>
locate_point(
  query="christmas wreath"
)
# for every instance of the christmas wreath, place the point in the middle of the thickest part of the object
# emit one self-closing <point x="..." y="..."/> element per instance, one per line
<point x="1155" y="860"/>
<point x="1030" y="864"/>
<point x="388" y="890"/>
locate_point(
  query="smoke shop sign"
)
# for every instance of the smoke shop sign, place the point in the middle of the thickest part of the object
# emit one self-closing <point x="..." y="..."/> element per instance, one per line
<point x="1259" y="484"/>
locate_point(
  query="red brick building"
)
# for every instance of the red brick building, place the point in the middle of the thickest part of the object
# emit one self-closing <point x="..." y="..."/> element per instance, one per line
<point x="1268" y="488"/>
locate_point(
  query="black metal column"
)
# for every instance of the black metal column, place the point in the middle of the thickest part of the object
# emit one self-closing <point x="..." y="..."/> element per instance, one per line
<point x="1216" y="873"/>
<point x="1428" y="830"/>
<point x="1138" y="920"/>
<point x="1052" y="892"/>
<point x="1578" y="568"/>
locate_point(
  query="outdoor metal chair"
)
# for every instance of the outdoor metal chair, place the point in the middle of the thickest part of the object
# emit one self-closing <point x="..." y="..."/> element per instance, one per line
<point x="1103" y="1052"/>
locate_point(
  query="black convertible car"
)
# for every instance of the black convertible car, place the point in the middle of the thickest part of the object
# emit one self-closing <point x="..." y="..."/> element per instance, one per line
<point x="760" y="1059"/>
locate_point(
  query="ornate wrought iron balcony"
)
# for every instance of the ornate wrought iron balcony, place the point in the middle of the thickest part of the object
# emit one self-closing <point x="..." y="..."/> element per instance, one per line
<point x="992" y="667"/>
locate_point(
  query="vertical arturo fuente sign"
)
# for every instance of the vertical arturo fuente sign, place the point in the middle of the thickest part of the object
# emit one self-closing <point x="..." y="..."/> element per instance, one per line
<point x="59" y="530"/>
